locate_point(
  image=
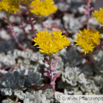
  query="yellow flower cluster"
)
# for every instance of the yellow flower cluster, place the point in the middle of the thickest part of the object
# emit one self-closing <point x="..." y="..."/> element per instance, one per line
<point x="9" y="5"/>
<point x="43" y="7"/>
<point x="98" y="15"/>
<point x="51" y="42"/>
<point x="88" y="39"/>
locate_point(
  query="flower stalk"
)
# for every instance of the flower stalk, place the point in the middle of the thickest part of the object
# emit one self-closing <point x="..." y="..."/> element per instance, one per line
<point x="23" y="27"/>
<point x="51" y="74"/>
<point x="88" y="10"/>
<point x="30" y="20"/>
<point x="13" y="34"/>
<point x="51" y="77"/>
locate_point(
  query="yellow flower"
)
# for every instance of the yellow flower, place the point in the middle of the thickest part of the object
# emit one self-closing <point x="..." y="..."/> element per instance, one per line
<point x="9" y="5"/>
<point x="51" y="42"/>
<point x="98" y="15"/>
<point x="88" y="39"/>
<point x="43" y="7"/>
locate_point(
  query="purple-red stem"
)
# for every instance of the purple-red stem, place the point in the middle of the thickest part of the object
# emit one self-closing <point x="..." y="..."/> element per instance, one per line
<point x="88" y="13"/>
<point x="14" y="36"/>
<point x="13" y="33"/>
<point x="88" y="17"/>
<point x="30" y="22"/>
<point x="51" y="75"/>
<point x="23" y="27"/>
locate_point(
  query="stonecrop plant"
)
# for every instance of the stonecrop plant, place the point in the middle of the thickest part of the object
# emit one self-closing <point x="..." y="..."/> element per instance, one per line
<point x="49" y="39"/>
<point x="50" y="43"/>
<point x="88" y="39"/>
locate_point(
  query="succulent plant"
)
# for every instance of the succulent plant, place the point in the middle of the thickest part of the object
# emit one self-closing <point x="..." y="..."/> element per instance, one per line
<point x="87" y="69"/>
<point x="88" y="86"/>
<point x="6" y="91"/>
<point x="7" y="101"/>
<point x="28" y="54"/>
<point x="70" y="75"/>
<point x="20" y="94"/>
<point x="48" y="93"/>
<point x="98" y="55"/>
<point x="59" y="66"/>
<point x="57" y="96"/>
<point x="81" y="78"/>
<point x="69" y="90"/>
<point x="71" y="57"/>
<point x="7" y="59"/>
<point x="21" y="72"/>
<point x="7" y="45"/>
<point x="98" y="80"/>
<point x="26" y="97"/>
<point x="98" y="65"/>
<point x="33" y="79"/>
<point x="42" y="97"/>
<point x="32" y="98"/>
<point x="28" y="60"/>
<point x="72" y="25"/>
<point x="19" y="80"/>
<point x="10" y="80"/>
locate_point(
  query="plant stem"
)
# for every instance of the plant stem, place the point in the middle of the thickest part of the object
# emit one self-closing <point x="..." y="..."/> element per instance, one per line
<point x="23" y="27"/>
<point x="88" y="15"/>
<point x="51" y="75"/>
<point x="30" y="21"/>
<point x="13" y="34"/>
<point x="16" y="101"/>
<point x="16" y="40"/>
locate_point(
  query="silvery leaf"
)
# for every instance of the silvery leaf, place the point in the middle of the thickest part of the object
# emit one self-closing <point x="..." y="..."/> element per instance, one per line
<point x="48" y="93"/>
<point x="88" y="86"/>
<point x="69" y="90"/>
<point x="32" y="98"/>
<point x="70" y="75"/>
<point x="7" y="101"/>
<point x="73" y="57"/>
<point x="20" y="94"/>
<point x="81" y="78"/>
<point x="7" y="91"/>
